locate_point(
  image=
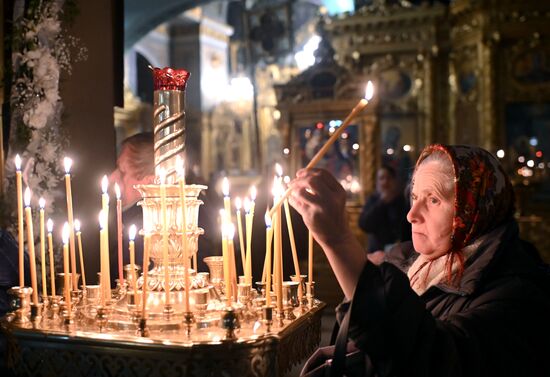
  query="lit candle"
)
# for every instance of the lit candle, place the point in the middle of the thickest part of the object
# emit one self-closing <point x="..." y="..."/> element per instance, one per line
<point x="42" y="204"/>
<point x="19" y="188"/>
<point x="30" y="238"/>
<point x="226" y="200"/>
<point x="248" y="225"/>
<point x="293" y="247"/>
<point x="238" y="205"/>
<point x="104" y="283"/>
<point x="267" y="264"/>
<point x="66" y="282"/>
<point x="80" y="252"/>
<point x="49" y="224"/>
<point x="119" y="234"/>
<point x="132" y="235"/>
<point x="253" y="194"/>
<point x="107" y="251"/>
<point x="180" y="168"/>
<point x="146" y="246"/>
<point x="67" y="162"/>
<point x="225" y="255"/>
<point x="361" y="105"/>
<point x="162" y="176"/>
<point x="278" y="250"/>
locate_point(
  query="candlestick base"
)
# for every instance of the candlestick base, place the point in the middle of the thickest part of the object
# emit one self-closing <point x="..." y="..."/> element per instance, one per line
<point x="188" y="321"/>
<point x="201" y="301"/>
<point x="36" y="314"/>
<point x="102" y="316"/>
<point x="76" y="299"/>
<point x="280" y="317"/>
<point x="230" y="322"/>
<point x="168" y="312"/>
<point x="53" y="313"/>
<point x="310" y="296"/>
<point x="143" y="330"/>
<point x="20" y="303"/>
<point x="267" y="315"/>
<point x="301" y="290"/>
<point x="68" y="318"/>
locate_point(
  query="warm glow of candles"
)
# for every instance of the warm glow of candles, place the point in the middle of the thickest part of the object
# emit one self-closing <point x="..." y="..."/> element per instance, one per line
<point x="68" y="163"/>
<point x="131" y="236"/>
<point x="65" y="235"/>
<point x="277" y="246"/>
<point x="253" y="194"/>
<point x="226" y="199"/>
<point x="42" y="204"/>
<point x="162" y="177"/>
<point x="361" y="105"/>
<point x="238" y="206"/>
<point x="180" y="169"/>
<point x="231" y="255"/>
<point x="248" y="226"/>
<point x="49" y="225"/>
<point x="20" y="230"/>
<point x="293" y="247"/>
<point x="225" y="254"/>
<point x="119" y="234"/>
<point x="30" y="242"/>
<point x="267" y="263"/>
<point x="80" y="252"/>
<point x="146" y="247"/>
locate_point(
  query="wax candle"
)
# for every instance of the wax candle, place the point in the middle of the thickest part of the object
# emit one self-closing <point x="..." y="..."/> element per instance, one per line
<point x="21" y="239"/>
<point x="65" y="235"/>
<point x="105" y="282"/>
<point x="231" y="257"/>
<point x="42" y="204"/>
<point x="238" y="206"/>
<point x="226" y="199"/>
<point x="293" y="246"/>
<point x="67" y="162"/>
<point x="361" y="105"/>
<point x="162" y="176"/>
<point x="180" y="168"/>
<point x="107" y="251"/>
<point x="146" y="247"/>
<point x="30" y="241"/>
<point x="80" y="252"/>
<point x="119" y="234"/>
<point x="248" y="227"/>
<point x="49" y="224"/>
<point x="253" y="194"/>
<point x="131" y="236"/>
<point x="309" y="261"/>
<point x="225" y="255"/>
<point x="267" y="264"/>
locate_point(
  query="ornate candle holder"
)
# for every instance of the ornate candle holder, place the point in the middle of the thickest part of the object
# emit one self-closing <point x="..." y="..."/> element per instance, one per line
<point x="303" y="298"/>
<point x="310" y="287"/>
<point x="102" y="317"/>
<point x="20" y="304"/>
<point x="290" y="298"/>
<point x="53" y="313"/>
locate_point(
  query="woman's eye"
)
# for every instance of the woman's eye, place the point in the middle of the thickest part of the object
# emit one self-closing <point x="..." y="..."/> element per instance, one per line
<point x="413" y="197"/>
<point x="434" y="200"/>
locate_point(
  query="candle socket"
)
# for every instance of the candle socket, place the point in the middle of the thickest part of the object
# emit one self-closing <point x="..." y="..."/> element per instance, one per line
<point x="76" y="298"/>
<point x="131" y="300"/>
<point x="280" y="316"/>
<point x="102" y="316"/>
<point x="188" y="321"/>
<point x="310" y="296"/>
<point x="54" y="307"/>
<point x="201" y="301"/>
<point x="20" y="304"/>
<point x="36" y="314"/>
<point x="92" y="295"/>
<point x="143" y="330"/>
<point x="260" y="286"/>
<point x="302" y="288"/>
<point x="230" y="322"/>
<point x="168" y="312"/>
<point x="244" y="293"/>
<point x="68" y="316"/>
<point x="267" y="315"/>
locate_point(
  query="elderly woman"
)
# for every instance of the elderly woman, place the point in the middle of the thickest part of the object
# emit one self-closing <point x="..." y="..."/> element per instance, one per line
<point x="468" y="300"/>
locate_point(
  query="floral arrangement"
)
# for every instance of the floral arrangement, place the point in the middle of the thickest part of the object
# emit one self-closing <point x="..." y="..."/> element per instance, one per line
<point x="41" y="53"/>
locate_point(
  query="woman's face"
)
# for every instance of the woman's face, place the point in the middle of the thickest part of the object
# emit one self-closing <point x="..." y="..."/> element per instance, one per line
<point x="432" y="211"/>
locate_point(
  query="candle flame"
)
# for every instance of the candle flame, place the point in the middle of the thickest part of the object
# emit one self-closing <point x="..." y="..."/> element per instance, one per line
<point x="286" y="179"/>
<point x="230" y="231"/>
<point x="180" y="166"/>
<point x="102" y="220"/>
<point x="247" y="205"/>
<point x="17" y="162"/>
<point x="225" y="186"/>
<point x="253" y="193"/>
<point x="68" y="163"/>
<point x="369" y="91"/>
<point x="132" y="232"/>
<point x="222" y="215"/>
<point x="77" y="225"/>
<point x="42" y="203"/>
<point x="238" y="203"/>
<point x="104" y="184"/>
<point x="278" y="170"/>
<point x="162" y="175"/>
<point x="117" y="191"/>
<point x="267" y="219"/>
<point x="49" y="225"/>
<point x="27" y="197"/>
<point x="65" y="233"/>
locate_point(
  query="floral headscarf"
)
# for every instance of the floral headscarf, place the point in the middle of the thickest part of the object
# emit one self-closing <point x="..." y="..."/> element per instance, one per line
<point x="484" y="198"/>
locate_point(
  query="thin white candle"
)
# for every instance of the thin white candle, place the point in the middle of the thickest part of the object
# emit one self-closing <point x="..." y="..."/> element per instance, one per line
<point x="80" y="252"/>
<point x="21" y="236"/>
<point x="65" y="235"/>
<point x="248" y="225"/>
<point x="107" y="251"/>
<point x="30" y="241"/>
<point x="267" y="264"/>
<point x="119" y="234"/>
<point x="49" y="224"/>
<point x="42" y="204"/>
<point x="131" y="236"/>
<point x="238" y="206"/>
<point x="68" y="163"/>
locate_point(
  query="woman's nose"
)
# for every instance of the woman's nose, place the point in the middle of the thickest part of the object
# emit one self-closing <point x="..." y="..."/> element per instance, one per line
<point x="413" y="215"/>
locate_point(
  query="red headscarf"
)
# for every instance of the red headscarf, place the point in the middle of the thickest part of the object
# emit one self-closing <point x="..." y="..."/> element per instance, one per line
<point x="484" y="198"/>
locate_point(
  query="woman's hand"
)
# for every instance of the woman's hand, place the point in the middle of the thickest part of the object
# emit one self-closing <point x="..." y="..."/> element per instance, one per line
<point x="321" y="201"/>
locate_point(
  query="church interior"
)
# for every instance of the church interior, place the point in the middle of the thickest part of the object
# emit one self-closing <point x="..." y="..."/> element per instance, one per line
<point x="270" y="82"/>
